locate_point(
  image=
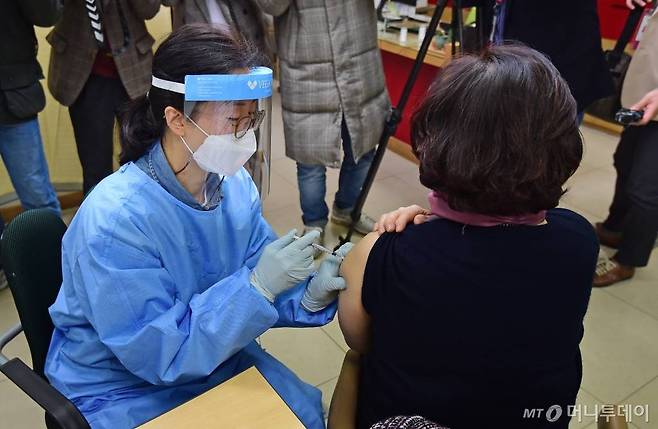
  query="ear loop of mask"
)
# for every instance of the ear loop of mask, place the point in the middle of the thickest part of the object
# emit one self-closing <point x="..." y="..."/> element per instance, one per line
<point x="205" y="193"/>
<point x="176" y="173"/>
<point x="205" y="190"/>
<point x="189" y="159"/>
<point x="196" y="125"/>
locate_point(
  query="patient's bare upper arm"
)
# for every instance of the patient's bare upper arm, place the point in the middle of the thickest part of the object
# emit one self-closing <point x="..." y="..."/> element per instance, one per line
<point x="353" y="319"/>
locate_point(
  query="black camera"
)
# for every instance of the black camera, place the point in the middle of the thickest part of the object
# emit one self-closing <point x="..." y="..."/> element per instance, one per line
<point x="628" y="116"/>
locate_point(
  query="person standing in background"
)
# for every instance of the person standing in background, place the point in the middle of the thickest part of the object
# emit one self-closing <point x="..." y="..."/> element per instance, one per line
<point x="632" y="223"/>
<point x="21" y="99"/>
<point x="334" y="99"/>
<point x="101" y="58"/>
<point x="566" y="31"/>
<point x="243" y="17"/>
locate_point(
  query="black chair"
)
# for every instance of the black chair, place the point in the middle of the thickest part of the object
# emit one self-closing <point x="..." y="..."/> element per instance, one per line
<point x="31" y="255"/>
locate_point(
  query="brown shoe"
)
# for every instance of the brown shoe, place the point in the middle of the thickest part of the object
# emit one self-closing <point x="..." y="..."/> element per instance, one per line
<point x="606" y="237"/>
<point x="609" y="271"/>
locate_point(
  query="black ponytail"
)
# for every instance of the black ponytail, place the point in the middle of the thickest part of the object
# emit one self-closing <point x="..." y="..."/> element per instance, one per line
<point x="191" y="49"/>
<point x="139" y="129"/>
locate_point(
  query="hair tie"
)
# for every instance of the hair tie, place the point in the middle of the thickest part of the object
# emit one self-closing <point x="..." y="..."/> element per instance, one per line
<point x="149" y="105"/>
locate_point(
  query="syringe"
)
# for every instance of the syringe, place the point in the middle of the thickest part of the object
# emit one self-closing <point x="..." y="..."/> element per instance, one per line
<point x="321" y="248"/>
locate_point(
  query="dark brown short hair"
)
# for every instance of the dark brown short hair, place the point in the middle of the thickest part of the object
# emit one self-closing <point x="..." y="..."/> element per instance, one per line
<point x="498" y="133"/>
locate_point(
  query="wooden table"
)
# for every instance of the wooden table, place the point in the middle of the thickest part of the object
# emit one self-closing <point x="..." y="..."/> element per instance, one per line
<point x="245" y="401"/>
<point x="389" y="42"/>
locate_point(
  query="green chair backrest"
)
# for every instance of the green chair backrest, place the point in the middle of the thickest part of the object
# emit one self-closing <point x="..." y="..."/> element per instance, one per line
<point x="32" y="259"/>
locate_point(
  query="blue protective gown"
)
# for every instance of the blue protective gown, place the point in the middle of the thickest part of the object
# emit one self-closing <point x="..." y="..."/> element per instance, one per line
<point x="156" y="305"/>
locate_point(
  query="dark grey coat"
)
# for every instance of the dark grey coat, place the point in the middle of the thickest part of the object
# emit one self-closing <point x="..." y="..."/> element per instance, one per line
<point x="330" y="67"/>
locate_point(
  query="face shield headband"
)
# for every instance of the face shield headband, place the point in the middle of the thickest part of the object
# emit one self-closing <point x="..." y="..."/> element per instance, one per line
<point x="255" y="85"/>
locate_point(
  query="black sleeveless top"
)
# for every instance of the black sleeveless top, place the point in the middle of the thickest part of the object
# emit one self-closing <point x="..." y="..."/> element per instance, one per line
<point x="471" y="326"/>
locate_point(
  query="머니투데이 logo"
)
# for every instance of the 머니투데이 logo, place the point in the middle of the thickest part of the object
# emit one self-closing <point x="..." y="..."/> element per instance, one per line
<point x="580" y="411"/>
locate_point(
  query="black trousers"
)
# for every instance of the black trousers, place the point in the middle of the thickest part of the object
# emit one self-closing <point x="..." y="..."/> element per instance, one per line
<point x="93" y="115"/>
<point x="634" y="209"/>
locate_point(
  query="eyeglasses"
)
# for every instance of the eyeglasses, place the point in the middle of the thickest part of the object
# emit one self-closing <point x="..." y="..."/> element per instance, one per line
<point x="245" y="123"/>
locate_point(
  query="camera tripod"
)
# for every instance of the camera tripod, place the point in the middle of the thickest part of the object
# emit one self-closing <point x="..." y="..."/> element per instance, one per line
<point x="395" y="115"/>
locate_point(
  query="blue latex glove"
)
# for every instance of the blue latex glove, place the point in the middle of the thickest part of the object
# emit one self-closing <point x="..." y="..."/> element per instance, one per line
<point x="323" y="288"/>
<point x="284" y="263"/>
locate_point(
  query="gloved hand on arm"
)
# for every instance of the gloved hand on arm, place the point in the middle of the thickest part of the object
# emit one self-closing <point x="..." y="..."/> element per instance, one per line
<point x="284" y="264"/>
<point x="324" y="287"/>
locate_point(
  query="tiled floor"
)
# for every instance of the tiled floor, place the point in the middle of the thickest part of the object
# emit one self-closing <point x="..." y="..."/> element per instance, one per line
<point x="620" y="348"/>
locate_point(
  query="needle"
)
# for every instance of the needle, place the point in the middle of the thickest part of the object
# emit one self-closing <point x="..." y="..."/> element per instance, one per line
<point x="321" y="248"/>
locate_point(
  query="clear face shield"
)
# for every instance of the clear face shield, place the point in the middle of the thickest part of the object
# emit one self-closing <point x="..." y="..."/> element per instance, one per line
<point x="231" y="118"/>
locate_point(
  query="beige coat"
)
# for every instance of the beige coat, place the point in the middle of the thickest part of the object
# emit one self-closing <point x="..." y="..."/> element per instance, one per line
<point x="642" y="75"/>
<point x="330" y="67"/>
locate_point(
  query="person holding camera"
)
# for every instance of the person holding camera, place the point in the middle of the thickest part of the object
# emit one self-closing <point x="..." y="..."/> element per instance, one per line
<point x="632" y="223"/>
<point x="22" y="98"/>
<point x="101" y="58"/>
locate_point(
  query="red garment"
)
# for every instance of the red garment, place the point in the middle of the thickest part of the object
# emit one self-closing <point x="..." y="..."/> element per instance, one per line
<point x="104" y="65"/>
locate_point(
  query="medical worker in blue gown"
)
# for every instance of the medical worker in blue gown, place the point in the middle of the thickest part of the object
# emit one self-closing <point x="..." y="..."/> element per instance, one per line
<point x="170" y="272"/>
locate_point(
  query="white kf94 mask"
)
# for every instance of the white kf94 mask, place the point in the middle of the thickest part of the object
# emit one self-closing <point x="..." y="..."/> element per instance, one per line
<point x="223" y="154"/>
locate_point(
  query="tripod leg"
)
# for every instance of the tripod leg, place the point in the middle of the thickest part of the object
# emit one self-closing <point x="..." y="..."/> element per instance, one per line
<point x="453" y="27"/>
<point x="458" y="24"/>
<point x="394" y="119"/>
<point x="479" y="24"/>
